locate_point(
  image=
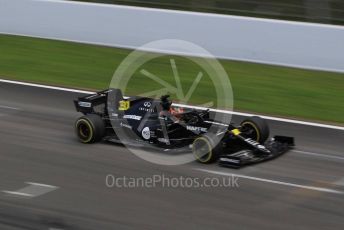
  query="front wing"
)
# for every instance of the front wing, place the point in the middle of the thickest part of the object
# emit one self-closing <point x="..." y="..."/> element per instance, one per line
<point x="277" y="146"/>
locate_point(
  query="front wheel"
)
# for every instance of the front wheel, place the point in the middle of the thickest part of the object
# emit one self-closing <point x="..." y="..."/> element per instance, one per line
<point x="205" y="149"/>
<point x="255" y="128"/>
<point x="90" y="128"/>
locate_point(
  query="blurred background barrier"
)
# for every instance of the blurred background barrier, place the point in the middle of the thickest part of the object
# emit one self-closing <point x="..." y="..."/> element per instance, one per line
<point x="296" y="44"/>
<point x="321" y="11"/>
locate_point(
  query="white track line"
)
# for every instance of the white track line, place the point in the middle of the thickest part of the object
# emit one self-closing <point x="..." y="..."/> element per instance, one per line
<point x="340" y="182"/>
<point x="319" y="189"/>
<point x="186" y="106"/>
<point x="17" y="193"/>
<point x="45" y="86"/>
<point x="42" y="185"/>
<point x="32" y="190"/>
<point x="8" y="107"/>
<point x="319" y="154"/>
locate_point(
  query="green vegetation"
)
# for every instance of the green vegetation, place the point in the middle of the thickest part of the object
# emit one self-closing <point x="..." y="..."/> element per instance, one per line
<point x="265" y="89"/>
<point x="329" y="11"/>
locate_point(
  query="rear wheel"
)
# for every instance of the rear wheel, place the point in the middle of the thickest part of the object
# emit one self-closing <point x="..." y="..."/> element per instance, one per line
<point x="255" y="128"/>
<point x="205" y="150"/>
<point x="90" y="128"/>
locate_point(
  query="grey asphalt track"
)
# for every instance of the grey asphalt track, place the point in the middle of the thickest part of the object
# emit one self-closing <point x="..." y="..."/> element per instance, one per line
<point x="37" y="144"/>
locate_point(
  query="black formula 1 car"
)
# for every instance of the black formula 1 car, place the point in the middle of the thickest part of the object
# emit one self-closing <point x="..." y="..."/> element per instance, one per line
<point x="142" y="121"/>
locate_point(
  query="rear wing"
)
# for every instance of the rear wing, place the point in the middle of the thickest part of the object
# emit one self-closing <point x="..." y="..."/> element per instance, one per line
<point x="97" y="102"/>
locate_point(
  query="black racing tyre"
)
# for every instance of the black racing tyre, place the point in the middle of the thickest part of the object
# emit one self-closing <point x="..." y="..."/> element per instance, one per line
<point x="90" y="128"/>
<point x="205" y="149"/>
<point x="255" y="128"/>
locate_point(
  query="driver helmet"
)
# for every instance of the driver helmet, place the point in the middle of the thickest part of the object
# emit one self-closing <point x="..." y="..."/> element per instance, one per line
<point x="165" y="103"/>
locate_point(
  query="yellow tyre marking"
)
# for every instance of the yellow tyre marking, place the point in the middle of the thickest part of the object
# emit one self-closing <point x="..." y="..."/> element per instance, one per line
<point x="255" y="127"/>
<point x="210" y="152"/>
<point x="89" y="126"/>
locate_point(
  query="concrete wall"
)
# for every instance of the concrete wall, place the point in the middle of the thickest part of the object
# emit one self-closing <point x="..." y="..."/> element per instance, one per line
<point x="313" y="46"/>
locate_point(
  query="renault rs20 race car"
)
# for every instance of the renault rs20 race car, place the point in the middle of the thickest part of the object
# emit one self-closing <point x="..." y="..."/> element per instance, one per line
<point x="142" y="121"/>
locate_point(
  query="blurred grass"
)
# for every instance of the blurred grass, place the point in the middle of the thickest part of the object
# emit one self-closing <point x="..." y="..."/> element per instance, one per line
<point x="266" y="89"/>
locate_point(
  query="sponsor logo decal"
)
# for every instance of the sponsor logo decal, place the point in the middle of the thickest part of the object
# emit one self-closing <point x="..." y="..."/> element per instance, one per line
<point x="85" y="104"/>
<point x="125" y="125"/>
<point x="147" y="104"/>
<point x="132" y="117"/>
<point x="196" y="129"/>
<point x="146" y="133"/>
<point x="257" y="145"/>
<point x="230" y="160"/>
<point x="146" y="109"/>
